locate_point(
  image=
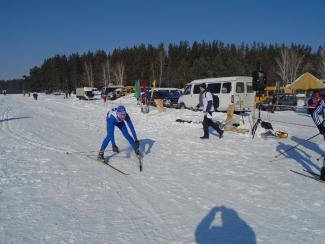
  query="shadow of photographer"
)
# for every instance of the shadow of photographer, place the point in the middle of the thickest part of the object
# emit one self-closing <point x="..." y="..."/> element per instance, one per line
<point x="231" y="230"/>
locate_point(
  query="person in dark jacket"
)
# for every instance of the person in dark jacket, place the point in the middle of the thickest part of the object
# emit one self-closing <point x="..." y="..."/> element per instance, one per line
<point x="208" y="108"/>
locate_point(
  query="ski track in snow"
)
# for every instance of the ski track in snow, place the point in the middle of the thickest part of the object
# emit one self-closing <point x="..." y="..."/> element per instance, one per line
<point x="50" y="193"/>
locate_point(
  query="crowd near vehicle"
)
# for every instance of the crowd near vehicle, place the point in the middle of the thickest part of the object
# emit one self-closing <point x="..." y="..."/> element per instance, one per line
<point x="87" y="93"/>
<point x="237" y="90"/>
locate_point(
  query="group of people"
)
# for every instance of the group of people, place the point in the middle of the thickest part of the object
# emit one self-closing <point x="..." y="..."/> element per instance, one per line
<point x="118" y="116"/>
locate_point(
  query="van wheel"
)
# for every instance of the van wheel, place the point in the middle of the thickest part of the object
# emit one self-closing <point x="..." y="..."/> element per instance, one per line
<point x="182" y="106"/>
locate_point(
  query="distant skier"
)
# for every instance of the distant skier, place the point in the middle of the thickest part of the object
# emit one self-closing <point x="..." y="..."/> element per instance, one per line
<point x="117" y="117"/>
<point x="35" y="95"/>
<point x="208" y="108"/>
<point x="318" y="117"/>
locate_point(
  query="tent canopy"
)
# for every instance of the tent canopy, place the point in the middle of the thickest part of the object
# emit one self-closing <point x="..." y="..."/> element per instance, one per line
<point x="307" y="82"/>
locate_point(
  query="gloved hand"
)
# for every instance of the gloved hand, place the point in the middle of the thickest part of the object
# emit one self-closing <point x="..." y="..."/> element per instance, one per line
<point x="137" y="144"/>
<point x="115" y="148"/>
<point x="321" y="129"/>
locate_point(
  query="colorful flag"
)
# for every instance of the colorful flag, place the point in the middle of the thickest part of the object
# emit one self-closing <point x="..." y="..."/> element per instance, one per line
<point x="148" y="90"/>
<point x="139" y="88"/>
<point x="153" y="87"/>
<point x="136" y="89"/>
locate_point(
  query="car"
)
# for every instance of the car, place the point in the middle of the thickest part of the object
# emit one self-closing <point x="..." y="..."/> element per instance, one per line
<point x="267" y="105"/>
<point x="112" y="92"/>
<point x="169" y="96"/>
<point x="285" y="101"/>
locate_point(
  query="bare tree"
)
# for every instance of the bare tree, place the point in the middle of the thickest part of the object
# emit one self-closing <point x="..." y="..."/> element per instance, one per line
<point x="119" y="72"/>
<point x="294" y="65"/>
<point x="283" y="64"/>
<point x="156" y="67"/>
<point x="106" y="68"/>
<point x="88" y="74"/>
<point x="161" y="64"/>
<point x="288" y="65"/>
<point x="322" y="64"/>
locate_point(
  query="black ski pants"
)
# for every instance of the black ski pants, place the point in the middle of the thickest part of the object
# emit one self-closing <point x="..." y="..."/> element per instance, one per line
<point x="207" y="123"/>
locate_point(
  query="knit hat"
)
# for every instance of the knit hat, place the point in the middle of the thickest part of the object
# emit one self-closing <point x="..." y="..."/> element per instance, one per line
<point x="121" y="110"/>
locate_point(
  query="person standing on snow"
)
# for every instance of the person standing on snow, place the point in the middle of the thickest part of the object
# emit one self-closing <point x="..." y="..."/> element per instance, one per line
<point x="117" y="117"/>
<point x="318" y="117"/>
<point x="208" y="108"/>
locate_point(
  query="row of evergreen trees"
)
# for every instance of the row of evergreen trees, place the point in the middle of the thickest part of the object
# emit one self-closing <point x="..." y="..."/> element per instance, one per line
<point x="173" y="66"/>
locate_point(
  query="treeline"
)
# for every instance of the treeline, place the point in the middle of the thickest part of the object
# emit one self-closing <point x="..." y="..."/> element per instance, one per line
<point x="171" y="66"/>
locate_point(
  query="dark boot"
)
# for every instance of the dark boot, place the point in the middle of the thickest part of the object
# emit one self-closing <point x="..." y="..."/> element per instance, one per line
<point x="322" y="174"/>
<point x="221" y="134"/>
<point x="101" y="155"/>
<point x="204" y="137"/>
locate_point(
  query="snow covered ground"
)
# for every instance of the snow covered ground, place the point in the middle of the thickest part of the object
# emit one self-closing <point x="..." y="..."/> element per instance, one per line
<point x="190" y="191"/>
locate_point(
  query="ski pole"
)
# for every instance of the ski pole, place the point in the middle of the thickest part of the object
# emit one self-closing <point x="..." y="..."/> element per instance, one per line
<point x="81" y="152"/>
<point x="295" y="146"/>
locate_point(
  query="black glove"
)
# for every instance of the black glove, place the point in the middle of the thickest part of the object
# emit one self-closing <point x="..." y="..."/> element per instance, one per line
<point x="115" y="148"/>
<point x="137" y="144"/>
<point x="321" y="129"/>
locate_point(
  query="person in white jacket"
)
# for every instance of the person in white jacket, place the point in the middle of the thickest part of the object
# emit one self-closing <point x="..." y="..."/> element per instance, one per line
<point x="208" y="108"/>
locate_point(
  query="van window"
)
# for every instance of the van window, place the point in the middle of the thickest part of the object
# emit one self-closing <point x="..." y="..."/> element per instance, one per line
<point x="249" y="87"/>
<point x="240" y="87"/>
<point x="187" y="90"/>
<point x="226" y="87"/>
<point x="196" y="89"/>
<point x="214" y="87"/>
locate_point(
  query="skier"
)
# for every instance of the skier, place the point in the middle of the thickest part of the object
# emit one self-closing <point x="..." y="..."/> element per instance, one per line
<point x="318" y="117"/>
<point x="117" y="117"/>
<point x="208" y="108"/>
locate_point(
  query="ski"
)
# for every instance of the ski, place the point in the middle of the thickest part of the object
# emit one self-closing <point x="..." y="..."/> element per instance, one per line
<point x="316" y="178"/>
<point x="105" y="161"/>
<point x="312" y="173"/>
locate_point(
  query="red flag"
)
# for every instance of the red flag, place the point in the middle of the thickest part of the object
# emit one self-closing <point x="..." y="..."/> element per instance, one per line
<point x="144" y="86"/>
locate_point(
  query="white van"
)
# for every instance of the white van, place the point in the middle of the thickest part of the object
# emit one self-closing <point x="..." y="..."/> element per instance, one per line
<point x="85" y="92"/>
<point x="237" y="89"/>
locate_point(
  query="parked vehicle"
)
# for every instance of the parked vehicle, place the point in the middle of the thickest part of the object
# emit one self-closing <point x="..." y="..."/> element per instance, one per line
<point x="285" y="101"/>
<point x="85" y="92"/>
<point x="169" y="96"/>
<point x="112" y="92"/>
<point x="267" y="104"/>
<point x="238" y="90"/>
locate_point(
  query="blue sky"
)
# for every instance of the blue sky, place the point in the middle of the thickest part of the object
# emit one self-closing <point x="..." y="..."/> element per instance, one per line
<point x="32" y="30"/>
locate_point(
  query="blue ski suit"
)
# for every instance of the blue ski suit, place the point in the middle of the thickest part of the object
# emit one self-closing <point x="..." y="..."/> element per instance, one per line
<point x="113" y="120"/>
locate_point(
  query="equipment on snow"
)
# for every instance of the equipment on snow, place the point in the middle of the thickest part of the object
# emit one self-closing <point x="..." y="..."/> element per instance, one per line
<point x="277" y="135"/>
<point x="313" y="176"/>
<point x="105" y="162"/>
